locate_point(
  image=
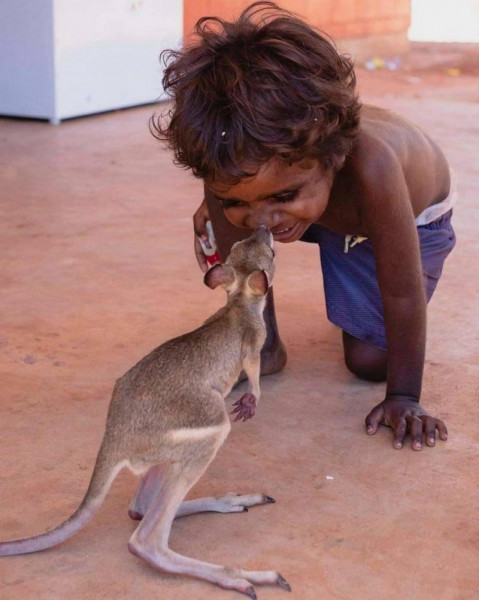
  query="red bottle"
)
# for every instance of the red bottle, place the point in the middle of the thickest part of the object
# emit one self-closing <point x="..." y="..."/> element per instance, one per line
<point x="209" y="248"/>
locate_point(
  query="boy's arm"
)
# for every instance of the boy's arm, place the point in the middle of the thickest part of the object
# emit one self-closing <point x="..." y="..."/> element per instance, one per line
<point x="387" y="211"/>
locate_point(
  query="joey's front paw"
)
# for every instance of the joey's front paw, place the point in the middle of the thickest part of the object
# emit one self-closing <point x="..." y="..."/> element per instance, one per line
<point x="245" y="407"/>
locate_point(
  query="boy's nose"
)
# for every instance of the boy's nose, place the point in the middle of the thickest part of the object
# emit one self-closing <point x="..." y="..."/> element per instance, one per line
<point x="268" y="218"/>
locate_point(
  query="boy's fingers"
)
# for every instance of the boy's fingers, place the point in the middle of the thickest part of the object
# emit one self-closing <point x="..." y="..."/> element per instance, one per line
<point x="400" y="433"/>
<point x="200" y="257"/>
<point x="415" y="428"/>
<point x="199" y="227"/>
<point x="200" y="232"/>
<point x="441" y="427"/>
<point x="199" y="221"/>
<point x="429" y="426"/>
<point x="373" y="420"/>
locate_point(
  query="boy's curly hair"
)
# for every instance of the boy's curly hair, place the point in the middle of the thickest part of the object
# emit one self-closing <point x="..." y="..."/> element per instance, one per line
<point x="267" y="85"/>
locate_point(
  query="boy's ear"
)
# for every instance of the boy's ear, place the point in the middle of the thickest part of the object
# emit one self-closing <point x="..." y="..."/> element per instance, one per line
<point x="219" y="275"/>
<point x="258" y="283"/>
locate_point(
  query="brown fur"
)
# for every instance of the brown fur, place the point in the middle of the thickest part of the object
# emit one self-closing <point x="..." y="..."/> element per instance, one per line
<point x="167" y="419"/>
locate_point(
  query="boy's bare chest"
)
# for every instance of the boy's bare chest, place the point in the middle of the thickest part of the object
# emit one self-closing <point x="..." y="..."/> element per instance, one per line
<point x="343" y="214"/>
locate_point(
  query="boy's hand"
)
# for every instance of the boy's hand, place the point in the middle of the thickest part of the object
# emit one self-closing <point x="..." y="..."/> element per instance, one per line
<point x="405" y="415"/>
<point x="199" y="225"/>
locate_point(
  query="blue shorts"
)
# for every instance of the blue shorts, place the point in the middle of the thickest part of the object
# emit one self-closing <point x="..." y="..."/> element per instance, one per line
<point x="353" y="299"/>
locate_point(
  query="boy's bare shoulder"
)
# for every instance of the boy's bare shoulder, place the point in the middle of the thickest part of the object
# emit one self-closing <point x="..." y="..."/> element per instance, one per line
<point x="391" y="153"/>
<point x="385" y="138"/>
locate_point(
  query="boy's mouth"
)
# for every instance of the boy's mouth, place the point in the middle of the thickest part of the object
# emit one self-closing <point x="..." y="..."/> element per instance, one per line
<point x="287" y="234"/>
<point x="283" y="230"/>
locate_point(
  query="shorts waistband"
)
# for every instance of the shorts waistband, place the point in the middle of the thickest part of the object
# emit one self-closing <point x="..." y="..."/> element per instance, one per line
<point x="432" y="213"/>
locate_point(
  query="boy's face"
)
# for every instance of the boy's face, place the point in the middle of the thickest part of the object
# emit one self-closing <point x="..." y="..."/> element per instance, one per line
<point x="286" y="198"/>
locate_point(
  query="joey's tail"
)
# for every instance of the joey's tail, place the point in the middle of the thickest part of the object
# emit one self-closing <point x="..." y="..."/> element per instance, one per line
<point x="103" y="475"/>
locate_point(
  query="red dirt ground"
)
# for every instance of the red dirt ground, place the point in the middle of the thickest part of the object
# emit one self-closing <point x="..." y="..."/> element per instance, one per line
<point x="98" y="268"/>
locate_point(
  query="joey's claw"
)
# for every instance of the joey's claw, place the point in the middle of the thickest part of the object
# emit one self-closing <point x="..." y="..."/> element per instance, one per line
<point x="283" y="583"/>
<point x="245" y="407"/>
<point x="251" y="593"/>
<point x="270" y="500"/>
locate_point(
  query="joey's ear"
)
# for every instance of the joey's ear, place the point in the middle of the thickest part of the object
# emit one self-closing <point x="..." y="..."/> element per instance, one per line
<point x="219" y="275"/>
<point x="258" y="283"/>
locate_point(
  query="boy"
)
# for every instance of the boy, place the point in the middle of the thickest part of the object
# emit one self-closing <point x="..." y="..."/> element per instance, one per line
<point x="265" y="112"/>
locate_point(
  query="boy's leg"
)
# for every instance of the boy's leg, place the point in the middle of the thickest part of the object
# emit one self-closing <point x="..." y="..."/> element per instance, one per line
<point x="273" y="354"/>
<point x="364" y="360"/>
<point x="352" y="293"/>
<point x="353" y="302"/>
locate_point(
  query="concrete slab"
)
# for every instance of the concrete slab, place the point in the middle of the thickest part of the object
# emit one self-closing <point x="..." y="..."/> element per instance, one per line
<point x="98" y="268"/>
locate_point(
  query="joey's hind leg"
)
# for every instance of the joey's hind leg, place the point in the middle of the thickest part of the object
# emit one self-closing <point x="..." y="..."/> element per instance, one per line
<point x="150" y="539"/>
<point x="229" y="503"/>
<point x="151" y="483"/>
<point x="148" y="487"/>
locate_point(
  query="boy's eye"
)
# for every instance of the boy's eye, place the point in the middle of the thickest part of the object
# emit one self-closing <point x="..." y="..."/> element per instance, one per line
<point x="225" y="203"/>
<point x="287" y="196"/>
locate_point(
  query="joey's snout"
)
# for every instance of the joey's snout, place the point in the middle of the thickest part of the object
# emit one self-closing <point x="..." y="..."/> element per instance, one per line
<point x="263" y="235"/>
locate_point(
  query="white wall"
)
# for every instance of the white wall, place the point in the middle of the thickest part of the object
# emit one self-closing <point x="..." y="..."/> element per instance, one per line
<point x="106" y="51"/>
<point x="64" y="58"/>
<point x="444" y="21"/>
<point x="26" y="58"/>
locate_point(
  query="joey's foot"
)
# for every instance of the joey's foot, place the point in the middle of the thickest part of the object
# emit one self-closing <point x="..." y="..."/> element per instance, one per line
<point x="239" y="580"/>
<point x="232" y="502"/>
<point x="261" y="578"/>
<point x="283" y="583"/>
<point x="245" y="407"/>
<point x="256" y="578"/>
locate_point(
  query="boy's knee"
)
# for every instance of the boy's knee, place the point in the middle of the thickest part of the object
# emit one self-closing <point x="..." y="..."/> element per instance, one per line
<point x="364" y="360"/>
